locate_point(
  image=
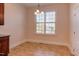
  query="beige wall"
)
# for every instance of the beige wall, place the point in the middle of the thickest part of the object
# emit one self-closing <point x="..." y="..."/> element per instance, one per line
<point x="74" y="26"/>
<point x="15" y="20"/>
<point x="62" y="25"/>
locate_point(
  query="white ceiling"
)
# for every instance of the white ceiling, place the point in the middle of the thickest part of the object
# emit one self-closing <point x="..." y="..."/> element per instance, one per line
<point x="34" y="4"/>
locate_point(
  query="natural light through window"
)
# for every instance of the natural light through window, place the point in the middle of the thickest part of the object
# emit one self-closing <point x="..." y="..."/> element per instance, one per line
<point x="45" y="22"/>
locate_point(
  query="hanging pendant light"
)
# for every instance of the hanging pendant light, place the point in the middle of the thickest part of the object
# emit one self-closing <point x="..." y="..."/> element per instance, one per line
<point x="37" y="12"/>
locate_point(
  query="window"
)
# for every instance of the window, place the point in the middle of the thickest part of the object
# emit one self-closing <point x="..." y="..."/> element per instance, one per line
<point x="45" y="23"/>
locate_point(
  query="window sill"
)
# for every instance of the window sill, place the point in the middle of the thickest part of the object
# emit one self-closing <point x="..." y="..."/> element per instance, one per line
<point x="45" y="34"/>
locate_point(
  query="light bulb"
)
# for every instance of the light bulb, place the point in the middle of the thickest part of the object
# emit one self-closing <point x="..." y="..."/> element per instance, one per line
<point x="35" y="13"/>
<point x="37" y="10"/>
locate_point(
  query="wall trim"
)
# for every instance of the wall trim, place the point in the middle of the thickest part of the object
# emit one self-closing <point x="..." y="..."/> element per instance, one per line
<point x="46" y="42"/>
<point x="71" y="50"/>
<point x="18" y="43"/>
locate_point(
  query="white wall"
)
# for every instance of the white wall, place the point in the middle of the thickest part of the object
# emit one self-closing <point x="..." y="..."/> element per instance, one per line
<point x="74" y="18"/>
<point x="15" y="20"/>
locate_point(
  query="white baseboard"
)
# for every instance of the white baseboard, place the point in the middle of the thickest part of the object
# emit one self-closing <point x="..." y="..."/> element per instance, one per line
<point x="75" y="53"/>
<point x="18" y="43"/>
<point x="71" y="50"/>
<point x="36" y="41"/>
<point x="46" y="42"/>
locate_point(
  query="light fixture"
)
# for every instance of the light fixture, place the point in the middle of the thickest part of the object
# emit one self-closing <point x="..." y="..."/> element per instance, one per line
<point x="37" y="11"/>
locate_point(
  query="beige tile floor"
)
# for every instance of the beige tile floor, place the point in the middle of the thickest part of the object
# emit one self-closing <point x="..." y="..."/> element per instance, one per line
<point x="36" y="49"/>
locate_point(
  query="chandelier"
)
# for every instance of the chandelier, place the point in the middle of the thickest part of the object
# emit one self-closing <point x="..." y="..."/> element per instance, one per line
<point x="38" y="11"/>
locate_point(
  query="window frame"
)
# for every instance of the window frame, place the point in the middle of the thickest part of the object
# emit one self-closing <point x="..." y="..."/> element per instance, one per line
<point x="45" y="24"/>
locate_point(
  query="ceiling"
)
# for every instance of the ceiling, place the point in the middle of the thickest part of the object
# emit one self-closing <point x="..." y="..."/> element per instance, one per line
<point x="34" y="4"/>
